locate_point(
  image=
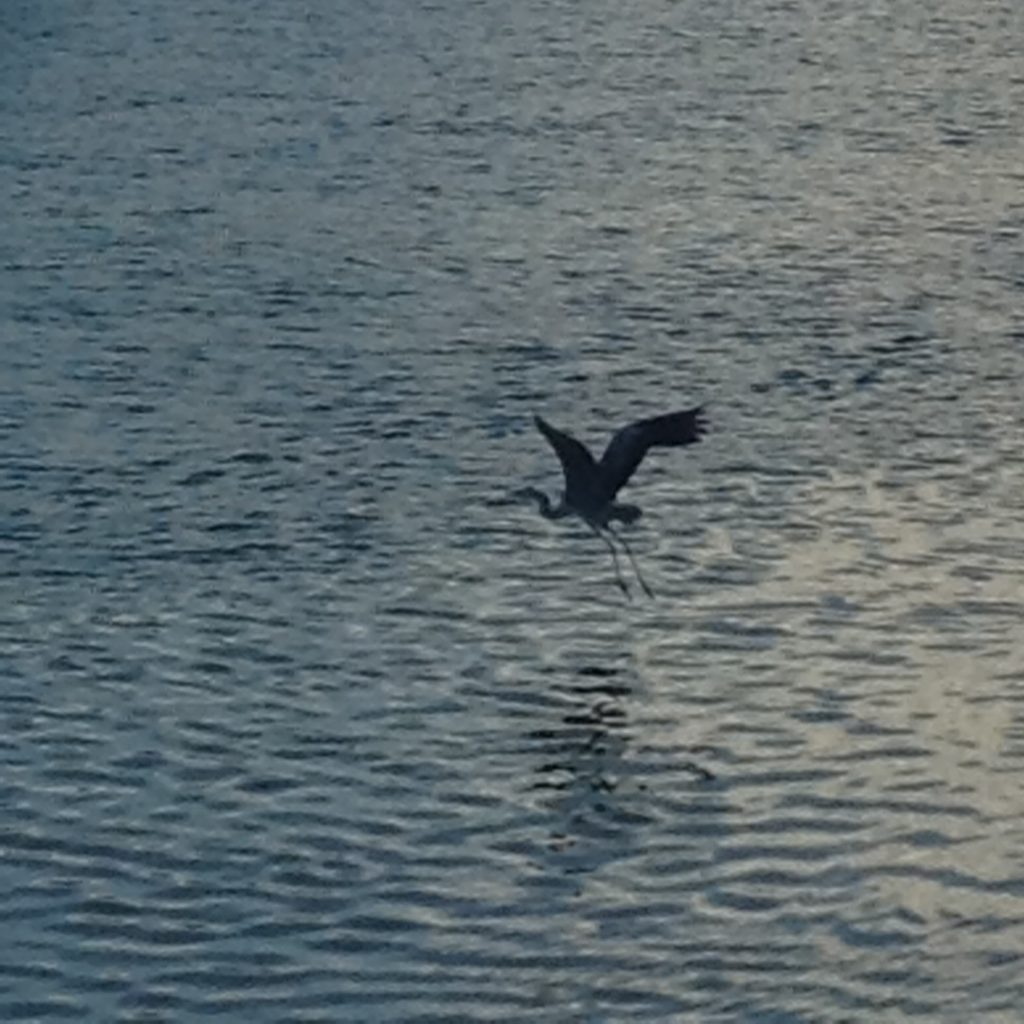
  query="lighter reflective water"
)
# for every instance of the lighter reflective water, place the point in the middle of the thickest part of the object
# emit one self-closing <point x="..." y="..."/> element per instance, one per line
<point x="302" y="721"/>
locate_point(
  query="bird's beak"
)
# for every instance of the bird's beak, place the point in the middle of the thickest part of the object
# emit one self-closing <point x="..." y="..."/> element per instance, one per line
<point x="505" y="500"/>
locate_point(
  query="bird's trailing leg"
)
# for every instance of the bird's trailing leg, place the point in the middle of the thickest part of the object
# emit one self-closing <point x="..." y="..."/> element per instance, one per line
<point x="615" y="560"/>
<point x="632" y="560"/>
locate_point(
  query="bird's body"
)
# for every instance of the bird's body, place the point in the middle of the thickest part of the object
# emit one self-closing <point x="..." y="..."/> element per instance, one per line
<point x="603" y="515"/>
<point x="591" y="486"/>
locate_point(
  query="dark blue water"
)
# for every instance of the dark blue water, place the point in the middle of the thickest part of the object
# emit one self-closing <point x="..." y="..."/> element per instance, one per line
<point x="301" y="721"/>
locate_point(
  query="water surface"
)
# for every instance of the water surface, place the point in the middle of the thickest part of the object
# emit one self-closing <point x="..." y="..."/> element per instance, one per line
<point x="302" y="721"/>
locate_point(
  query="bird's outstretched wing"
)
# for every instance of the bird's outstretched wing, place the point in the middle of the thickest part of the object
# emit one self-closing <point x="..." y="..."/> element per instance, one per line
<point x="627" y="448"/>
<point x="577" y="463"/>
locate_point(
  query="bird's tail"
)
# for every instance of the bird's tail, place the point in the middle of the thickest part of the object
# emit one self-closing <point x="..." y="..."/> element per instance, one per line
<point x="625" y="513"/>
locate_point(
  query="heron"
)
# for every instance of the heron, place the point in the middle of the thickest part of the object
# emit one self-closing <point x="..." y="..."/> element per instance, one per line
<point x="591" y="487"/>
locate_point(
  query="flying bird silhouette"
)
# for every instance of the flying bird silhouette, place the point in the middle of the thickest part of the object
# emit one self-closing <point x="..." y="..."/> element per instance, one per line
<point x="591" y="487"/>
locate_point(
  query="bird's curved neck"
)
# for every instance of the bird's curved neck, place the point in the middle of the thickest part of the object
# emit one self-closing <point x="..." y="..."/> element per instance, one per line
<point x="544" y="506"/>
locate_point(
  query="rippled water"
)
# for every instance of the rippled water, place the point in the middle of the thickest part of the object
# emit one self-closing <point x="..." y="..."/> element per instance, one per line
<point x="302" y="721"/>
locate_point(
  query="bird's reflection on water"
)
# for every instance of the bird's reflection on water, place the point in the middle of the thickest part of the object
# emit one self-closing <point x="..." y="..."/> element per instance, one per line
<point x="585" y="765"/>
